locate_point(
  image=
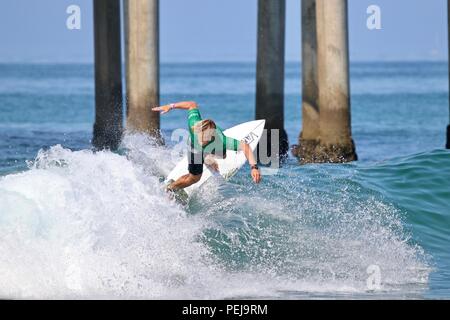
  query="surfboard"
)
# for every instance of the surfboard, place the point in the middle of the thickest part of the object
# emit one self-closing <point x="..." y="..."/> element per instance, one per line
<point x="249" y="132"/>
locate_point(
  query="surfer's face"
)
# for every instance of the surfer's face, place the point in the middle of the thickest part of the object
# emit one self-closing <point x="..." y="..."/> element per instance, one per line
<point x="206" y="136"/>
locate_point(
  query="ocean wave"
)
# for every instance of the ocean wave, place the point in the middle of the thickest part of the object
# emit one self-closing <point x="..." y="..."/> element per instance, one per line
<point x="85" y="224"/>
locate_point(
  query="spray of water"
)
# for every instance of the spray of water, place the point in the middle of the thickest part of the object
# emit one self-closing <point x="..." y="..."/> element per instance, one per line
<point x="84" y="224"/>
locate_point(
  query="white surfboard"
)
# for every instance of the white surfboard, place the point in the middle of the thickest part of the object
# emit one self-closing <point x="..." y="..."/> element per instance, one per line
<point x="250" y="132"/>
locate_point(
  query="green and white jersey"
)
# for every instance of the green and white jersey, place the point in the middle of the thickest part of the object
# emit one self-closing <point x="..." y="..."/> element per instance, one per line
<point x="218" y="145"/>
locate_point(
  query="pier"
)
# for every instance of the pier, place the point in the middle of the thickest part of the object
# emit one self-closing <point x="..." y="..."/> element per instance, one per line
<point x="270" y="73"/>
<point x="326" y="134"/>
<point x="142" y="65"/>
<point x="108" y="75"/>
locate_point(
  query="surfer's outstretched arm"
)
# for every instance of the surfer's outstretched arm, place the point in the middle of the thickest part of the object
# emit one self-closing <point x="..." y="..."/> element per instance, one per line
<point x="256" y="175"/>
<point x="185" y="105"/>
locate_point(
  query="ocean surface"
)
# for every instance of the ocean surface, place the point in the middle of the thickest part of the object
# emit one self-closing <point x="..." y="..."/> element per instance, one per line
<point x="81" y="224"/>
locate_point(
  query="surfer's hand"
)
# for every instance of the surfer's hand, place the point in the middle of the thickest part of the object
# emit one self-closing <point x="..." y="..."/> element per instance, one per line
<point x="162" y="109"/>
<point x="256" y="175"/>
<point x="211" y="163"/>
<point x="213" y="166"/>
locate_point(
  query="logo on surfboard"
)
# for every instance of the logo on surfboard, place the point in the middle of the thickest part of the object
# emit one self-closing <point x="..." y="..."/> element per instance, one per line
<point x="250" y="138"/>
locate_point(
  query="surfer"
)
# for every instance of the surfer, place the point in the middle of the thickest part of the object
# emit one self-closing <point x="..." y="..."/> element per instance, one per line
<point x="206" y="142"/>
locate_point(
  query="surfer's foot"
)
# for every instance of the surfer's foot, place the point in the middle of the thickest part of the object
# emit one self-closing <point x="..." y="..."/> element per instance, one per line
<point x="168" y="186"/>
<point x="168" y="189"/>
<point x="170" y="194"/>
<point x="177" y="194"/>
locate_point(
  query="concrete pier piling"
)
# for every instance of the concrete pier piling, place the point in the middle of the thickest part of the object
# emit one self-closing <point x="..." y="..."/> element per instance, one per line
<point x="270" y="71"/>
<point x="108" y="75"/>
<point x="309" y="136"/>
<point x="334" y="139"/>
<point x="333" y="80"/>
<point x="142" y="65"/>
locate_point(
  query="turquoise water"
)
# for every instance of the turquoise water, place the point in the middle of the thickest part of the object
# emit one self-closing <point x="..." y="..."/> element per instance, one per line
<point x="74" y="223"/>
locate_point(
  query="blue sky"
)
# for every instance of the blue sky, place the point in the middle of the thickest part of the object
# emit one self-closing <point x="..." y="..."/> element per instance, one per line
<point x="222" y="30"/>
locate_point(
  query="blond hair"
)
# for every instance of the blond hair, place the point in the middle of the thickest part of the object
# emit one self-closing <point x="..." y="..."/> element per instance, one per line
<point x="203" y="125"/>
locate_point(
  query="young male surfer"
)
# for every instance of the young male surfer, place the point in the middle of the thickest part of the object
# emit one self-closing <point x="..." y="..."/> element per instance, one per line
<point x="206" y="141"/>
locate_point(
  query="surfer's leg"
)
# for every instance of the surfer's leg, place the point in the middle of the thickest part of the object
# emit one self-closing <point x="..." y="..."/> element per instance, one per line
<point x="194" y="176"/>
<point x="195" y="168"/>
<point x="185" y="181"/>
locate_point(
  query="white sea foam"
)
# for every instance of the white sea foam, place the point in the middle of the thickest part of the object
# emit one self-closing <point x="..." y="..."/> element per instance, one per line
<point x="84" y="224"/>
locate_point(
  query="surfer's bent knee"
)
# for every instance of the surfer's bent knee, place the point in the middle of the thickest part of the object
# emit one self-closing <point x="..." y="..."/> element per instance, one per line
<point x="195" y="178"/>
<point x="195" y="172"/>
<point x="195" y="169"/>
